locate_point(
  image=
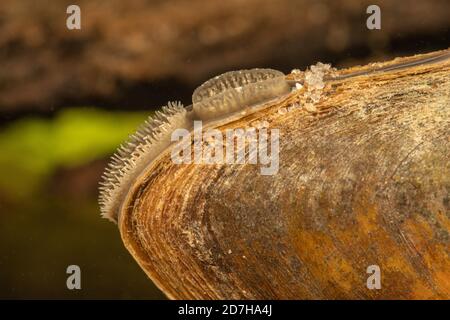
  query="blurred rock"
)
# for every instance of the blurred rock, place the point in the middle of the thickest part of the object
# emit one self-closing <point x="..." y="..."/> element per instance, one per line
<point x="140" y="53"/>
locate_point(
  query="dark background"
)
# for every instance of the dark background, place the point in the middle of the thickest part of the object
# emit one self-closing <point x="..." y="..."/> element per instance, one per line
<point x="69" y="97"/>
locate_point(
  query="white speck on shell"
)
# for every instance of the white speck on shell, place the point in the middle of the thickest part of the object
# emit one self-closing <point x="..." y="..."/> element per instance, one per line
<point x="282" y="110"/>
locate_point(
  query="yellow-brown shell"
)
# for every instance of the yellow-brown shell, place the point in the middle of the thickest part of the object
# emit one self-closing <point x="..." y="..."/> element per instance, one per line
<point x="363" y="181"/>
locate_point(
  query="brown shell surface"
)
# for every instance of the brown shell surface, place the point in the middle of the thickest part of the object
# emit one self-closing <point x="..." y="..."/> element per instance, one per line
<point x="364" y="181"/>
